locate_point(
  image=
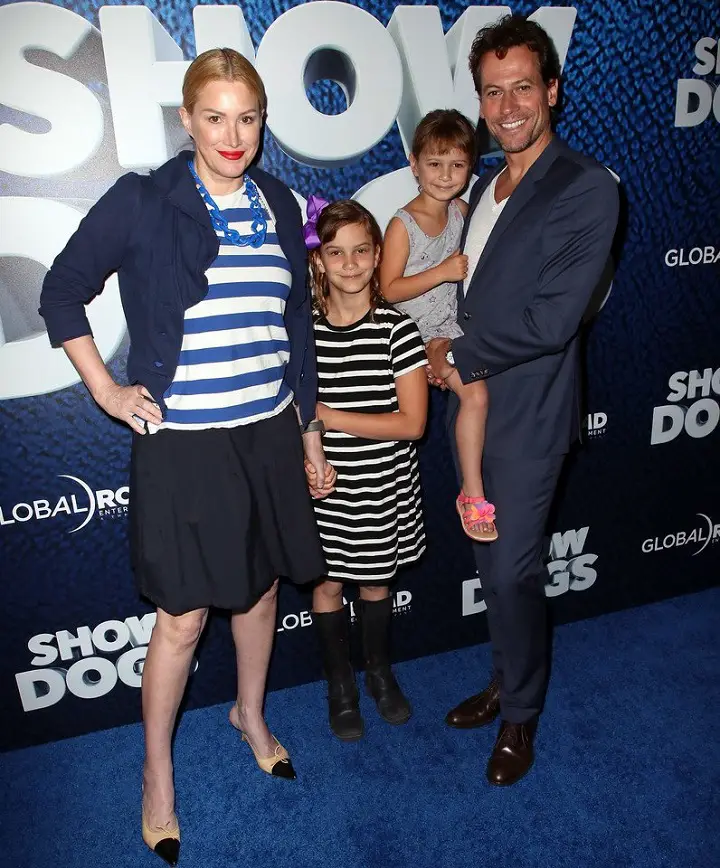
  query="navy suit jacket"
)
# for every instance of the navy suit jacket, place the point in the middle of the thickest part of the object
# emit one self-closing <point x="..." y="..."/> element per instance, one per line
<point x="523" y="309"/>
<point x="155" y="231"/>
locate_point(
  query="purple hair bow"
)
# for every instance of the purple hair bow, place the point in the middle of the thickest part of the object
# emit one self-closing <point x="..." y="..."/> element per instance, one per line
<point x="315" y="206"/>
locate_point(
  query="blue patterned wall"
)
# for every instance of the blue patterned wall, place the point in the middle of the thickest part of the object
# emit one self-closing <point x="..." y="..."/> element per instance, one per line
<point x="646" y="507"/>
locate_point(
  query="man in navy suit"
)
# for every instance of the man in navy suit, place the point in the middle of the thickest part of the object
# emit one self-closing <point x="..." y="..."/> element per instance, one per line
<point x="537" y="238"/>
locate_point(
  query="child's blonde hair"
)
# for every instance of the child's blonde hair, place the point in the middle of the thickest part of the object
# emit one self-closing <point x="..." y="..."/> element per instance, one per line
<point x="332" y="218"/>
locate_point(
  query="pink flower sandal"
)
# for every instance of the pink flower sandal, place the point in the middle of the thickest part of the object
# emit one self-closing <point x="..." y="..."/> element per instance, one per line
<point x="474" y="511"/>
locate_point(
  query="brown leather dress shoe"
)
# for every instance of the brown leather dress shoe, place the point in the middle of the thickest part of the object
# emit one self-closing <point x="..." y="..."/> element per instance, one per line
<point x="478" y="710"/>
<point x="513" y="754"/>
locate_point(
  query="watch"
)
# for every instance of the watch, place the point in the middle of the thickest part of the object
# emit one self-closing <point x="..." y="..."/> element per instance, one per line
<point x="315" y="425"/>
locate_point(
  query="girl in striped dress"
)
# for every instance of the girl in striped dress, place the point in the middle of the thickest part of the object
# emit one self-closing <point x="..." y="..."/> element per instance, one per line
<point x="372" y="392"/>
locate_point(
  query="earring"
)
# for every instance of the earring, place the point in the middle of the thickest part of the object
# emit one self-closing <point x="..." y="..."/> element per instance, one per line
<point x="419" y="188"/>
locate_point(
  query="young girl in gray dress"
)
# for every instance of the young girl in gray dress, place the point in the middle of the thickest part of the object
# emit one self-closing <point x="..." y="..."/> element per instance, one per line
<point x="420" y="269"/>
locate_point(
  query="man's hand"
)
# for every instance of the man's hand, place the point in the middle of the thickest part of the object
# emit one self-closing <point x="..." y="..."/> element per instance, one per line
<point x="438" y="368"/>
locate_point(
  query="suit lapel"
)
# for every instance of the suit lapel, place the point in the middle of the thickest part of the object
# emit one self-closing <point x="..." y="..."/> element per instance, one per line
<point x="520" y="196"/>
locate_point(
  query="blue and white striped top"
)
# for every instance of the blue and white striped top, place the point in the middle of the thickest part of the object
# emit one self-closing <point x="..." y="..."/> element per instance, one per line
<point x="235" y="346"/>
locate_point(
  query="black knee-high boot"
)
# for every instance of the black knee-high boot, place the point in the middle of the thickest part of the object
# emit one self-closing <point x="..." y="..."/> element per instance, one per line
<point x="375" y="619"/>
<point x="343" y="700"/>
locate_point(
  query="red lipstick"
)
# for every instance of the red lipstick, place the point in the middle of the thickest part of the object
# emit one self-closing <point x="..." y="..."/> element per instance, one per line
<point x="231" y="155"/>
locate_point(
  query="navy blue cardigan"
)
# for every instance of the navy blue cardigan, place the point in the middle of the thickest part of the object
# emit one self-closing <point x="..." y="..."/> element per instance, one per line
<point x="155" y="231"/>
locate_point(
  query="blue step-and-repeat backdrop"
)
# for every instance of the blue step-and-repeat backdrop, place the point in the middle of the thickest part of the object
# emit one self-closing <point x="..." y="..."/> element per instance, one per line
<point x="88" y="92"/>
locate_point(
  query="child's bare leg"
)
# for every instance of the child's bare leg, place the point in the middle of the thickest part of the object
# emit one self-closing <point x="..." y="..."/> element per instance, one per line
<point x="328" y="596"/>
<point x="470" y="431"/>
<point x="470" y="435"/>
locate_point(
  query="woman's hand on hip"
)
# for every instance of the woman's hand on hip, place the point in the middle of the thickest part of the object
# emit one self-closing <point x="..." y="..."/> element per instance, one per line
<point x="132" y="405"/>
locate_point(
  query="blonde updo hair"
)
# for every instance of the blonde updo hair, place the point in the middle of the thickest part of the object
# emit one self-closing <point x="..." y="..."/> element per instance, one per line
<point x="220" y="64"/>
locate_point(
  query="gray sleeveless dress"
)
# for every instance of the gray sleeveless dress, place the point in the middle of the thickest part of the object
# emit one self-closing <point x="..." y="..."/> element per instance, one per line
<point x="435" y="312"/>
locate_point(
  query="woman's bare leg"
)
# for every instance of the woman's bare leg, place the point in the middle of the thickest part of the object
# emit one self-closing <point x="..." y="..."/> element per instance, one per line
<point x="254" y="634"/>
<point x="165" y="674"/>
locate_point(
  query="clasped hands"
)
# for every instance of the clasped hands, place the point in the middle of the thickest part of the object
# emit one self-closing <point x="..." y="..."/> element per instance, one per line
<point x="438" y="368"/>
<point x="320" y="474"/>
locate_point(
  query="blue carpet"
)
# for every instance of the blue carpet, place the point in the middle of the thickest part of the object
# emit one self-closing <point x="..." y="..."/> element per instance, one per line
<point x="626" y="772"/>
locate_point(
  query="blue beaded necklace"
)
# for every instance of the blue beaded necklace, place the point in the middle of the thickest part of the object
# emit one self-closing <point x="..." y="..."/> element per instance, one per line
<point x="220" y="224"/>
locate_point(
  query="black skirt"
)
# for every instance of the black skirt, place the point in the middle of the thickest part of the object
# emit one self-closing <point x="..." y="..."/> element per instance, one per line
<point x="216" y="515"/>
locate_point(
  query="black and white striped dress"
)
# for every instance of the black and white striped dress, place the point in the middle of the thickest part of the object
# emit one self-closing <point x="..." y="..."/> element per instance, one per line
<point x="372" y="523"/>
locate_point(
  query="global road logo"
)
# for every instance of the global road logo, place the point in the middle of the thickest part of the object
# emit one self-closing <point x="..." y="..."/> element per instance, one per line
<point x="697" y="539"/>
<point x="79" y="504"/>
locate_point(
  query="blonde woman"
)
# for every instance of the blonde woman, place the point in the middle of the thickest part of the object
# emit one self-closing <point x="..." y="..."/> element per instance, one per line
<point x="211" y="262"/>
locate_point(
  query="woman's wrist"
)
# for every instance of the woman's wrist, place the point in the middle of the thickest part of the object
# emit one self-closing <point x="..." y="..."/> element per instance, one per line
<point x="312" y="445"/>
<point x="316" y="425"/>
<point x="100" y="388"/>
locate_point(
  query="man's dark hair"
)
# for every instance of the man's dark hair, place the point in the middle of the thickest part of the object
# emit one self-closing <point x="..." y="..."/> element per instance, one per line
<point x="509" y="32"/>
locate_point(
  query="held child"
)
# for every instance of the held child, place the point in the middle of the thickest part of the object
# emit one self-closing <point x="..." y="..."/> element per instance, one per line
<point x="419" y="274"/>
<point x="372" y="391"/>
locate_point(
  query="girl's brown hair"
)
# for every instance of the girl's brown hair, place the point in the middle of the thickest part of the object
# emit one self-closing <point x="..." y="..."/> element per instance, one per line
<point x="332" y="218"/>
<point x="220" y="64"/>
<point x="443" y="130"/>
